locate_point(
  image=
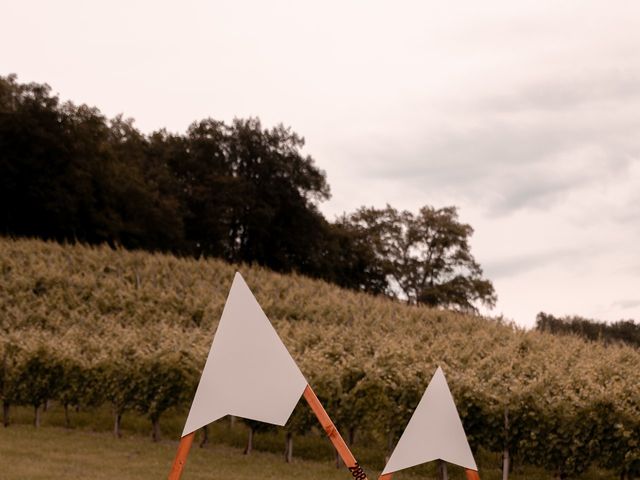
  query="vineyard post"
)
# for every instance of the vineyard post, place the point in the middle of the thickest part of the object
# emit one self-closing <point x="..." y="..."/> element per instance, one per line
<point x="471" y="475"/>
<point x="181" y="456"/>
<point x="333" y="434"/>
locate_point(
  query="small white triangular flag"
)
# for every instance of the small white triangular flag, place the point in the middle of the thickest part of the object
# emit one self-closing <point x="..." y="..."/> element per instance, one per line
<point x="434" y="432"/>
<point x="249" y="372"/>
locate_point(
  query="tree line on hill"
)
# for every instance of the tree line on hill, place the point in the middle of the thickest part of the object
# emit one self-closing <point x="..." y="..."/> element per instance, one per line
<point x="622" y="331"/>
<point x="238" y="191"/>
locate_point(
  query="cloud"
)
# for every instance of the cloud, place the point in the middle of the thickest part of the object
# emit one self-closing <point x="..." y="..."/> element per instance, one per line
<point x="507" y="167"/>
<point x="528" y="150"/>
<point x="626" y="304"/>
<point x="520" y="264"/>
<point x="596" y="87"/>
<point x="629" y="211"/>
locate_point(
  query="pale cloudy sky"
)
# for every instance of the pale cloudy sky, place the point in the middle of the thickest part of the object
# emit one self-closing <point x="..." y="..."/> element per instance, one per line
<point x="524" y="114"/>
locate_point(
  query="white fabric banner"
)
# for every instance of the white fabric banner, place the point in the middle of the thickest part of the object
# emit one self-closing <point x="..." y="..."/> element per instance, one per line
<point x="249" y="372"/>
<point x="434" y="432"/>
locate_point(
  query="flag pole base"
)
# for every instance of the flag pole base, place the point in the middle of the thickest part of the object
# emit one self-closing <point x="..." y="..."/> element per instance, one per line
<point x="472" y="474"/>
<point x="181" y="456"/>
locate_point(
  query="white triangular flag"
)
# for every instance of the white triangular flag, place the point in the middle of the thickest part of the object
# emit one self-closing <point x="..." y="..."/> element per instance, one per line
<point x="249" y="372"/>
<point x="434" y="432"/>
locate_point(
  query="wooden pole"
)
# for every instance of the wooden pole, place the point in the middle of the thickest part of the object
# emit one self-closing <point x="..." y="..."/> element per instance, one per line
<point x="181" y="456"/>
<point x="333" y="434"/>
<point x="472" y="474"/>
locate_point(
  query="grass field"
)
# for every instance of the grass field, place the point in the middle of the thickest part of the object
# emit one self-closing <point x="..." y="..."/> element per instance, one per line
<point x="54" y="453"/>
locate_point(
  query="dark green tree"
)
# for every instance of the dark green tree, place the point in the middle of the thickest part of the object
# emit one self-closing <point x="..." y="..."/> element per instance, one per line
<point x="39" y="380"/>
<point x="254" y="427"/>
<point x="348" y="259"/>
<point x="277" y="224"/>
<point x="622" y="331"/>
<point x="164" y="383"/>
<point x="67" y="173"/>
<point x="37" y="183"/>
<point x="426" y="257"/>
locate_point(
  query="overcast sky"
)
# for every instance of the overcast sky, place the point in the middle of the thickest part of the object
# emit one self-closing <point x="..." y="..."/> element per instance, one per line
<point x="525" y="115"/>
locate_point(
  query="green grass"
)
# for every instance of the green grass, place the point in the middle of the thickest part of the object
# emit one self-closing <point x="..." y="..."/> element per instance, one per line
<point x="55" y="453"/>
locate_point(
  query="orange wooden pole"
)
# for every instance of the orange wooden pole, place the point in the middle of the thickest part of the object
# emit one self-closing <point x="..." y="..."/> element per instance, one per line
<point x="181" y="456"/>
<point x="333" y="434"/>
<point x="472" y="474"/>
<point x="386" y="476"/>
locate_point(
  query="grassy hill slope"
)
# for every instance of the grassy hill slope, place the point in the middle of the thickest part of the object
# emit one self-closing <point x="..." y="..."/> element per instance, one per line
<point x="567" y="402"/>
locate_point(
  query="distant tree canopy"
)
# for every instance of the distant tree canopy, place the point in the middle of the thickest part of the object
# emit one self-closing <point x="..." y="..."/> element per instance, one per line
<point x="67" y="173"/>
<point x="239" y="192"/>
<point x="622" y="331"/>
<point x="426" y="256"/>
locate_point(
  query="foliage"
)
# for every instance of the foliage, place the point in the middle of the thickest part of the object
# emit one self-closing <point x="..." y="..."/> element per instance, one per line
<point x="139" y="327"/>
<point x="622" y="331"/>
<point x="237" y="191"/>
<point x="40" y="377"/>
<point x="426" y="256"/>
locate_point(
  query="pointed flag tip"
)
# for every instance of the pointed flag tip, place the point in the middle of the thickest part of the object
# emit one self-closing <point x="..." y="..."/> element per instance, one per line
<point x="239" y="279"/>
<point x="433" y="432"/>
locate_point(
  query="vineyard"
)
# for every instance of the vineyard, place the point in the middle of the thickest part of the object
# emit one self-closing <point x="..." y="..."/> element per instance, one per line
<point x="92" y="326"/>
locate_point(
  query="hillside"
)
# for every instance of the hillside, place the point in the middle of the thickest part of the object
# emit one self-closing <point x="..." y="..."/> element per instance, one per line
<point x="92" y="325"/>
